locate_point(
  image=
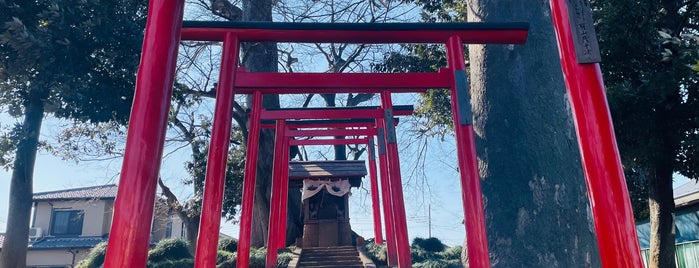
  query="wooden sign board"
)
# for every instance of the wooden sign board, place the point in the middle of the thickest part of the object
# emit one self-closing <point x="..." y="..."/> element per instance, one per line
<point x="583" y="30"/>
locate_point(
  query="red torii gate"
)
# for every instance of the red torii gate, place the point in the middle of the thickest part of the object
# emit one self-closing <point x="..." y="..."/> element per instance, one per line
<point x="368" y="131"/>
<point x="374" y="126"/>
<point x="129" y="241"/>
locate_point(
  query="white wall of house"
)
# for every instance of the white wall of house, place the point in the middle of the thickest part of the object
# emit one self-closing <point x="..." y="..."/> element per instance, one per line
<point x="55" y="257"/>
<point x="108" y="212"/>
<point x="96" y="218"/>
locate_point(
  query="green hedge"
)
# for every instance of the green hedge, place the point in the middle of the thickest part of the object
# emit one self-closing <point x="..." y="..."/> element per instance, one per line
<point x="95" y="258"/>
<point x="425" y="253"/>
<point x="169" y="249"/>
<point x="228" y="244"/>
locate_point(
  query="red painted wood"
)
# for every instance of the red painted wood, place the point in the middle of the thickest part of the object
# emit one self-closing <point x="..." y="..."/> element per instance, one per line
<point x="276" y="202"/>
<point x="471" y="36"/>
<point x="295" y="83"/>
<point x="328" y="142"/>
<point x="391" y="254"/>
<point x="324" y="125"/>
<point x="328" y="114"/>
<point x="330" y="132"/>
<point x="611" y="208"/>
<point x="212" y="203"/>
<point x="400" y="224"/>
<point x="249" y="183"/>
<point x="472" y="198"/>
<point x="321" y="114"/>
<point x="133" y="208"/>
<point x="284" y="191"/>
<point x="374" y="186"/>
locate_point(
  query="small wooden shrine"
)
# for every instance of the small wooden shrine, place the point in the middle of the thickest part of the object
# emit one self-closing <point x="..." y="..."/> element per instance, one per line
<point x="326" y="188"/>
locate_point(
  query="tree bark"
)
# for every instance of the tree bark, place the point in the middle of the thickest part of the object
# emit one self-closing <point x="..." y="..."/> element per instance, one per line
<point x="662" y="219"/>
<point x="661" y="203"/>
<point x="191" y="222"/>
<point x="537" y="209"/>
<point x="262" y="57"/>
<point x="14" y="249"/>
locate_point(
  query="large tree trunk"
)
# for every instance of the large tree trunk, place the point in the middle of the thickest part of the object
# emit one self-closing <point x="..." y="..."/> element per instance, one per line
<point x="661" y="204"/>
<point x="662" y="228"/>
<point x="262" y="57"/>
<point x="537" y="210"/>
<point x="14" y="249"/>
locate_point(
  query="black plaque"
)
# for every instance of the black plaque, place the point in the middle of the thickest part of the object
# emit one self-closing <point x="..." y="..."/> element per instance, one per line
<point x="382" y="141"/>
<point x="583" y="30"/>
<point x="390" y="128"/>
<point x="464" y="99"/>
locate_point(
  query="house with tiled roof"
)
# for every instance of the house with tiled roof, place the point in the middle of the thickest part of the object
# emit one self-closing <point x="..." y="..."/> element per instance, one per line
<point x="66" y="224"/>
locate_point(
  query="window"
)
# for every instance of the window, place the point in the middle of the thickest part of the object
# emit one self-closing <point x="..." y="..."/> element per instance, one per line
<point x="67" y="222"/>
<point x="168" y="229"/>
<point x="183" y="232"/>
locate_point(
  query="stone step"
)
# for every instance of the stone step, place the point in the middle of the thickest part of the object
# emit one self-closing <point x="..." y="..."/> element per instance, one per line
<point x="342" y="248"/>
<point x="322" y="257"/>
<point x="354" y="254"/>
<point x="332" y="266"/>
<point x="330" y="261"/>
<point x="328" y="251"/>
<point x="334" y="257"/>
<point x="302" y="265"/>
<point x="331" y="247"/>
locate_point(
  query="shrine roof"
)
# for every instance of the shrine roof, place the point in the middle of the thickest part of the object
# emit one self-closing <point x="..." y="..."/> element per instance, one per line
<point x="327" y="169"/>
<point x="353" y="170"/>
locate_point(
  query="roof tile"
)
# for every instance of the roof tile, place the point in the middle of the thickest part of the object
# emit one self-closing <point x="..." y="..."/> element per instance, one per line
<point x="94" y="192"/>
<point x="66" y="242"/>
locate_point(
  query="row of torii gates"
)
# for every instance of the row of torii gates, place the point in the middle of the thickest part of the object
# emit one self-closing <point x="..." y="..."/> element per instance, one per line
<point x="129" y="239"/>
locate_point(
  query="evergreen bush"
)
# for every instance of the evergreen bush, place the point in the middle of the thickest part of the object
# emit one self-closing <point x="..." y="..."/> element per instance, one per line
<point x="181" y="263"/>
<point x="377" y="253"/>
<point x="169" y="249"/>
<point x="431" y="244"/>
<point x="95" y="258"/>
<point x="225" y="259"/>
<point x="228" y="244"/>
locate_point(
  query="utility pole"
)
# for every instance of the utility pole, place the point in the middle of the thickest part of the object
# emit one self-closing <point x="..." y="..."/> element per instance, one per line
<point x="429" y="220"/>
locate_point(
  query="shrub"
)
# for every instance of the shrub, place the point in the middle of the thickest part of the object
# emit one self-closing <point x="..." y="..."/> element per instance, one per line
<point x="284" y="258"/>
<point x="95" y="258"/>
<point x="169" y="249"/>
<point x="228" y="244"/>
<point x="377" y="253"/>
<point x="225" y="259"/>
<point x="431" y="244"/>
<point x="258" y="257"/>
<point x="453" y="253"/>
<point x="181" y="263"/>
<point x="421" y="255"/>
<point x="436" y="264"/>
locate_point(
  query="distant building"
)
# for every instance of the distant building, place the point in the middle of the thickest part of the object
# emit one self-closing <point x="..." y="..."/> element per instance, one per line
<point x="686" y="227"/>
<point x="66" y="224"/>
